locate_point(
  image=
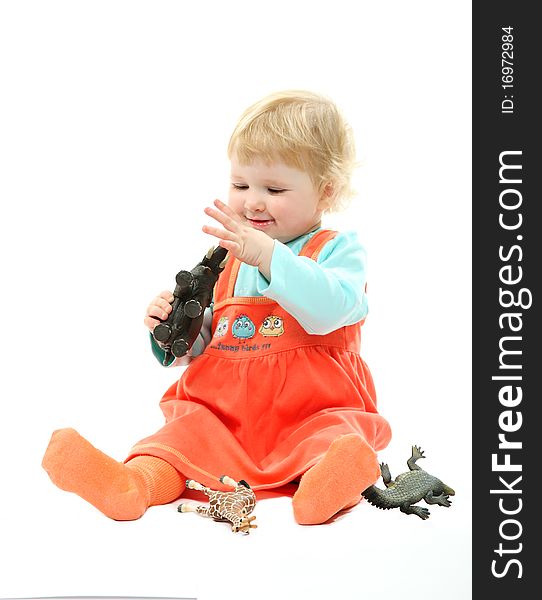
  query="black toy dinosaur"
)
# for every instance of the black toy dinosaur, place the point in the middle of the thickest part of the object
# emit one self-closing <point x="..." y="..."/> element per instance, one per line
<point x="192" y="295"/>
<point x="409" y="488"/>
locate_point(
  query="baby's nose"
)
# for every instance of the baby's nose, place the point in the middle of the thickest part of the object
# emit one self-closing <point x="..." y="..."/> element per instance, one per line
<point x="254" y="200"/>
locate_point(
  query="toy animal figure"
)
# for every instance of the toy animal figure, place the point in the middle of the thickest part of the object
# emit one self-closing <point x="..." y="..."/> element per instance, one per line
<point x="192" y="295"/>
<point x="226" y="506"/>
<point x="409" y="488"/>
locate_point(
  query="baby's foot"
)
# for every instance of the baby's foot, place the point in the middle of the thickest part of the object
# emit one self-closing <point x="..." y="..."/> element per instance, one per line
<point x="74" y="465"/>
<point x="349" y="466"/>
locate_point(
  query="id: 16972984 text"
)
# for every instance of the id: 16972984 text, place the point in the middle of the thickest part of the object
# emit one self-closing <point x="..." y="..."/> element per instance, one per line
<point x="507" y="69"/>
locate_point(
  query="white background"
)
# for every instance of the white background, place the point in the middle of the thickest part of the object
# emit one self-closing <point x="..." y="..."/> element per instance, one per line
<point x="114" y="122"/>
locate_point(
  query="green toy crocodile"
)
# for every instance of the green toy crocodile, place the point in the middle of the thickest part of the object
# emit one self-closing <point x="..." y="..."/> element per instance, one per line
<point x="409" y="488"/>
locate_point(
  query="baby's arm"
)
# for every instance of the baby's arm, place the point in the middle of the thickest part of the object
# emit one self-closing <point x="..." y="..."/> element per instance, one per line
<point x="323" y="295"/>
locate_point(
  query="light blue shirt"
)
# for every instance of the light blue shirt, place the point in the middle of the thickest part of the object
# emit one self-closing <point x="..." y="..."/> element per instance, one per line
<point x="321" y="295"/>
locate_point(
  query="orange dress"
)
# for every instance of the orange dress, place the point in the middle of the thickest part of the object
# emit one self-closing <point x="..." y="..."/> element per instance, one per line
<point x="265" y="399"/>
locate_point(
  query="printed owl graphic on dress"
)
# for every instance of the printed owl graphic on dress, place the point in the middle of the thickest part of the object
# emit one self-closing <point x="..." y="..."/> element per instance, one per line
<point x="221" y="327"/>
<point x="243" y="328"/>
<point x="272" y="326"/>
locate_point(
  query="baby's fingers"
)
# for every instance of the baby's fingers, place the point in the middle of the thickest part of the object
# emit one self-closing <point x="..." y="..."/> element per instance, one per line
<point x="221" y="234"/>
<point x="226" y="209"/>
<point x="151" y="323"/>
<point x="224" y="215"/>
<point x="163" y="301"/>
<point x="154" y="310"/>
<point x="167" y="296"/>
<point x="160" y="306"/>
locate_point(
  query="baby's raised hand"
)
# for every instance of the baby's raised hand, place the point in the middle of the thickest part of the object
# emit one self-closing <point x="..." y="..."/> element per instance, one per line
<point x="243" y="241"/>
<point x="160" y="307"/>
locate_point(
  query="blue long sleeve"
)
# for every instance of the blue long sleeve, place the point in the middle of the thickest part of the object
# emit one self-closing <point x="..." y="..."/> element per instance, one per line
<point x="323" y="295"/>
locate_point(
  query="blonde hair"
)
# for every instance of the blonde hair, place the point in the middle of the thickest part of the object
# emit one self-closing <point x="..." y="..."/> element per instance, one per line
<point x="304" y="130"/>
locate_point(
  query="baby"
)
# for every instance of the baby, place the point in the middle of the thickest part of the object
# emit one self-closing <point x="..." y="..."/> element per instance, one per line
<point x="275" y="390"/>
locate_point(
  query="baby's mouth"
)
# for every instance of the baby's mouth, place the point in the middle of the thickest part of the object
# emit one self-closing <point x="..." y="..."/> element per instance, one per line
<point x="260" y="223"/>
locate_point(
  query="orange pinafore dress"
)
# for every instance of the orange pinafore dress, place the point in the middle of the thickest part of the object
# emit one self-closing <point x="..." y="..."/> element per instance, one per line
<point x="265" y="399"/>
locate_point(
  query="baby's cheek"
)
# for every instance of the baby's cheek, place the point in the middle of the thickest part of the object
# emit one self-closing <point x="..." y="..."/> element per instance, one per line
<point x="235" y="202"/>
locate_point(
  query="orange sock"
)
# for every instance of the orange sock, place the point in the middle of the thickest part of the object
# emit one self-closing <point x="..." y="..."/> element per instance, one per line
<point x="121" y="491"/>
<point x="349" y="466"/>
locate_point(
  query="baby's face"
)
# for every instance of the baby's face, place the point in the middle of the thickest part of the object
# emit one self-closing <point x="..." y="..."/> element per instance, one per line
<point x="275" y="198"/>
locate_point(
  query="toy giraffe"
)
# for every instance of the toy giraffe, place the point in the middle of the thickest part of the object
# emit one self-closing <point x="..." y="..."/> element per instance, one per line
<point x="226" y="506"/>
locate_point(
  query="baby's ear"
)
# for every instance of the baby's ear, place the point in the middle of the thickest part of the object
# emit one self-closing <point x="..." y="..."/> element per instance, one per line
<point x="326" y="198"/>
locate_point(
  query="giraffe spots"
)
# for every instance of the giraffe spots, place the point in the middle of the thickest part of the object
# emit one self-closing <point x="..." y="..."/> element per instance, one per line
<point x="231" y="506"/>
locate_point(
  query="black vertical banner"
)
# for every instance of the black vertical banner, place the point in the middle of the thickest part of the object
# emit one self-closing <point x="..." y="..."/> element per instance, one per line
<point x="507" y="356"/>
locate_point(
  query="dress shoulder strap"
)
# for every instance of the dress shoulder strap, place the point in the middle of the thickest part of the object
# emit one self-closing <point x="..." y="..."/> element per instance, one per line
<point x="313" y="247"/>
<point x="225" y="285"/>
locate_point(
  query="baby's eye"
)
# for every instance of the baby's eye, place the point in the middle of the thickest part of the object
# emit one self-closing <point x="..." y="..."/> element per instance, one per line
<point x="275" y="190"/>
<point x="239" y="186"/>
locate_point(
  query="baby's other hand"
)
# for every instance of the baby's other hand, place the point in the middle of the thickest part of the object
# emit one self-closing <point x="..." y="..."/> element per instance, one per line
<point x="243" y="241"/>
<point x="158" y="310"/>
